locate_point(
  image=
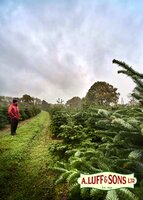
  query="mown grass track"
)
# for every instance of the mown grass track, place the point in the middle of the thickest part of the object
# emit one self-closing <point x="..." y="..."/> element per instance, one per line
<point x="24" y="161"/>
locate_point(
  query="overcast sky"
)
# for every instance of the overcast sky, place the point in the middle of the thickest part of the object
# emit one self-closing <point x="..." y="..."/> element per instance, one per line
<point x="59" y="48"/>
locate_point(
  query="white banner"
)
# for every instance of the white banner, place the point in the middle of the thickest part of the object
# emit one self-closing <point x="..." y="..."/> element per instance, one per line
<point x="107" y="181"/>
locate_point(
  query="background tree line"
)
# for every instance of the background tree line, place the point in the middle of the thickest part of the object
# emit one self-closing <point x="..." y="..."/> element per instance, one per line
<point x="100" y="93"/>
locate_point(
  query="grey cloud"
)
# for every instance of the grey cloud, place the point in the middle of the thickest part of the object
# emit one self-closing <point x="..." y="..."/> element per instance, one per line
<point x="57" y="49"/>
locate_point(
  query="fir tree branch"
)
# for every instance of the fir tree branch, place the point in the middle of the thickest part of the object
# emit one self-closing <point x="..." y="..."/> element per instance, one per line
<point x="128" y="68"/>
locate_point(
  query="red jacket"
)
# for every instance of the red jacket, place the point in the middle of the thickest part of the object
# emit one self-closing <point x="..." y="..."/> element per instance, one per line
<point x="13" y="111"/>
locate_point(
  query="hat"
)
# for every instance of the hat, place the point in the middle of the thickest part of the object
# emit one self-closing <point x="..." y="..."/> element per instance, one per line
<point x="14" y="100"/>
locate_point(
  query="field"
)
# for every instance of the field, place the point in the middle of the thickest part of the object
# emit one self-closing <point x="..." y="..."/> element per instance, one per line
<point x="51" y="150"/>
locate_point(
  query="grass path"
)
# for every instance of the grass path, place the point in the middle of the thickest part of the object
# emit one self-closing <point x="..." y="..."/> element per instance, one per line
<point x="24" y="160"/>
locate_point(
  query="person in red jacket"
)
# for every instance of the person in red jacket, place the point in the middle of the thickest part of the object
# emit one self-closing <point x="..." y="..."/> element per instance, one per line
<point x="13" y="112"/>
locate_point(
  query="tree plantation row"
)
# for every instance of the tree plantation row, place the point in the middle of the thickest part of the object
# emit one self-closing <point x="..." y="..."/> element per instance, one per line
<point x="25" y="113"/>
<point x="96" y="140"/>
<point x="29" y="107"/>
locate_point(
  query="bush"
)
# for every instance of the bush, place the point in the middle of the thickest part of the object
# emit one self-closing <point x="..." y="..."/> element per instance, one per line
<point x="3" y="117"/>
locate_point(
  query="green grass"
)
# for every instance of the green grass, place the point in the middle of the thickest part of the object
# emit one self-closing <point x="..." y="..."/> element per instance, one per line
<point x="24" y="161"/>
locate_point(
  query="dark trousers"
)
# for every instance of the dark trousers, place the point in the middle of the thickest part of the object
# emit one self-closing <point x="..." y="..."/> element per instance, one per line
<point x="14" y="123"/>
